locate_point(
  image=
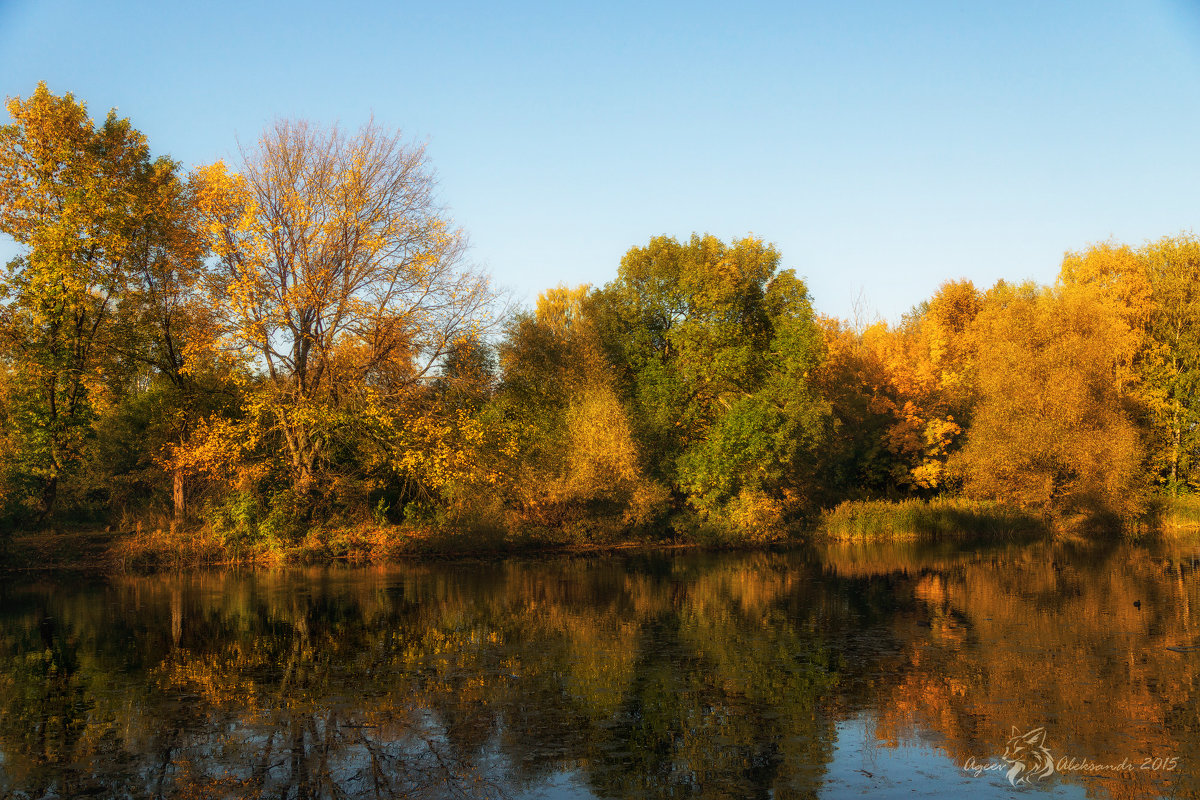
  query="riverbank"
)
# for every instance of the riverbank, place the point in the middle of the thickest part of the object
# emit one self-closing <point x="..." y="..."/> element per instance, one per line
<point x="97" y="550"/>
<point x="150" y="548"/>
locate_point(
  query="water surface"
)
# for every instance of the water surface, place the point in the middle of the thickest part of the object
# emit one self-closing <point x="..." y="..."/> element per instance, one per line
<point x="831" y="672"/>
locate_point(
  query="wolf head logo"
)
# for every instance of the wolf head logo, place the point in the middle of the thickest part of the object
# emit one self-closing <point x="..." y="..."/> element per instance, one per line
<point x="1028" y="756"/>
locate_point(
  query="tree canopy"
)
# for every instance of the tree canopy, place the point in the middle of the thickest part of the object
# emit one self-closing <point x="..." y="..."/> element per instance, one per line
<point x="299" y="342"/>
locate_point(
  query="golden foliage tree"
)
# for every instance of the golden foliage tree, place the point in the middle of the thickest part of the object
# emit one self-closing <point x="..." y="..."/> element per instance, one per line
<point x="88" y="207"/>
<point x="575" y="452"/>
<point x="1053" y="430"/>
<point x="902" y="394"/>
<point x="338" y="275"/>
<point x="930" y="362"/>
<point x="7" y="446"/>
<point x="1156" y="289"/>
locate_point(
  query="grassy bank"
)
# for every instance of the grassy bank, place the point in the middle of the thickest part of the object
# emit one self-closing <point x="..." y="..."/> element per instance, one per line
<point x="154" y="549"/>
<point x="1179" y="513"/>
<point x="938" y="519"/>
<point x="150" y="547"/>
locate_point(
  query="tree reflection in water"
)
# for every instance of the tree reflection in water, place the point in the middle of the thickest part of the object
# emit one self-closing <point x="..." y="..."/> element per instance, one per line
<point x="648" y="676"/>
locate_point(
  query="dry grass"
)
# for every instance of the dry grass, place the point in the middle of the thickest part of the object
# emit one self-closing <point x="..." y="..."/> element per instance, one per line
<point x="1181" y="511"/>
<point x="169" y="548"/>
<point x="941" y="518"/>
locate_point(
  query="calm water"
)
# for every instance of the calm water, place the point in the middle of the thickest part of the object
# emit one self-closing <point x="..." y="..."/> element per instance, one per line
<point x="838" y="672"/>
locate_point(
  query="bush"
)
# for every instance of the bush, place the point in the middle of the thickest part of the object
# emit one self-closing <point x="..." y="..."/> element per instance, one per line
<point x="243" y="523"/>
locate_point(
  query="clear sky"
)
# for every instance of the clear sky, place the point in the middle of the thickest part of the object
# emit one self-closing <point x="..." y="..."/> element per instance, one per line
<point x="884" y="147"/>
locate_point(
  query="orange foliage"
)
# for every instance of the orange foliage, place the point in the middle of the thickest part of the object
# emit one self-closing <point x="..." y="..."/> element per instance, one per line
<point x="911" y="385"/>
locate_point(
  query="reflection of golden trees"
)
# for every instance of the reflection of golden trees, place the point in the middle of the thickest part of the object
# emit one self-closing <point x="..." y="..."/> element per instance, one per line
<point x="1052" y="637"/>
<point x="654" y="676"/>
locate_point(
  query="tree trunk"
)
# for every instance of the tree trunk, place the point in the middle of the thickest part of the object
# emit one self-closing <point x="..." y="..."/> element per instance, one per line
<point x="303" y="455"/>
<point x="1176" y="440"/>
<point x="177" y="495"/>
<point x="49" y="494"/>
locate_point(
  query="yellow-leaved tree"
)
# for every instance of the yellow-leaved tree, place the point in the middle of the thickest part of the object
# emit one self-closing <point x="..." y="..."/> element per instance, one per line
<point x="1156" y="289"/>
<point x="1054" y="429"/>
<point x="575" y="461"/>
<point x="93" y="215"/>
<point x="338" y="279"/>
<point x="902" y="395"/>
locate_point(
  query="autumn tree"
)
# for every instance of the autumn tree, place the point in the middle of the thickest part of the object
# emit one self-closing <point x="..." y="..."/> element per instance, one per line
<point x="1156" y="289"/>
<point x="575" y="461"/>
<point x="1054" y="429"/>
<point x="429" y="455"/>
<point x="86" y="203"/>
<point x="9" y="496"/>
<point x="901" y="394"/>
<point x="1170" y="366"/>
<point x="929" y="360"/>
<point x="338" y="277"/>
<point x="853" y="378"/>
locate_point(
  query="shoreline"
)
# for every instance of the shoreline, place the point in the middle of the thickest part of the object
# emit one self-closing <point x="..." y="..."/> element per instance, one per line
<point x="96" y="551"/>
<point x="26" y="554"/>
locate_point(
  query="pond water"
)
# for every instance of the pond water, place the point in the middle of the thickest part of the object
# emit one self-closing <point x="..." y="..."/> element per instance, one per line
<point x="839" y="671"/>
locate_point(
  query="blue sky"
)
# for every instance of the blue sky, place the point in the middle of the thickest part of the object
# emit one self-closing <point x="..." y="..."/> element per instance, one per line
<point x="884" y="147"/>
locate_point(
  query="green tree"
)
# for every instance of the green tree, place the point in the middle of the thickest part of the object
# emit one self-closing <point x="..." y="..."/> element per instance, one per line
<point x="716" y="347"/>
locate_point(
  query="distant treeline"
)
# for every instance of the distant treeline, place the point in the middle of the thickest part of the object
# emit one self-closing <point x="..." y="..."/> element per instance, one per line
<point x="300" y="343"/>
